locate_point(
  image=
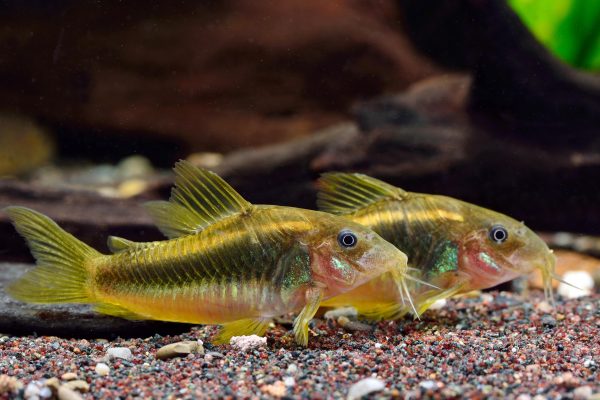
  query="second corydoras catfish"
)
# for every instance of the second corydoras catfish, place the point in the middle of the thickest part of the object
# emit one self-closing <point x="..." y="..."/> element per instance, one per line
<point x="227" y="262"/>
<point x="451" y="244"/>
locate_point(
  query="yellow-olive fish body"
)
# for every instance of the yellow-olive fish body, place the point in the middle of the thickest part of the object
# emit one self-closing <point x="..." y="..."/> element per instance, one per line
<point x="227" y="261"/>
<point x="452" y="245"/>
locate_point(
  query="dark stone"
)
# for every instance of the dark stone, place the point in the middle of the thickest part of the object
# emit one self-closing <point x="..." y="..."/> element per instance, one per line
<point x="548" y="321"/>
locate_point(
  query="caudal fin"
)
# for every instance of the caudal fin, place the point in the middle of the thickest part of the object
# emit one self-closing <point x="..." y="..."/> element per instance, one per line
<point x="61" y="275"/>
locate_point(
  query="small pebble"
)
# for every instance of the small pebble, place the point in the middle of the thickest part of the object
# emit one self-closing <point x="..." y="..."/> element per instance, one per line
<point x="364" y="387"/>
<point x="78" y="384"/>
<point x="523" y="397"/>
<point x="582" y="393"/>
<point x="69" y="376"/>
<point x="289" y="381"/>
<point x="277" y="389"/>
<point x="119" y="352"/>
<point x="180" y="349"/>
<point x="52" y="383"/>
<point x="215" y="354"/>
<point x="548" y="321"/>
<point x="428" y="385"/>
<point x="544" y="307"/>
<point x="32" y="390"/>
<point x="348" y="312"/>
<point x="248" y="342"/>
<point x="9" y="384"/>
<point x="65" y="393"/>
<point x="350" y="325"/>
<point x="292" y="369"/>
<point x="102" y="369"/>
<point x="45" y="392"/>
<point x="439" y="304"/>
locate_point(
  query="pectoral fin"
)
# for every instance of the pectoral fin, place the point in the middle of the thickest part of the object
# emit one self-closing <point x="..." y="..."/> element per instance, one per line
<point x="427" y="299"/>
<point x="395" y="310"/>
<point x="242" y="327"/>
<point x="313" y="301"/>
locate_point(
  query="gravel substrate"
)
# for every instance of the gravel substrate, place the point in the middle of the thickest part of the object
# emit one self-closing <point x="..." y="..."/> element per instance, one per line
<point x="492" y="346"/>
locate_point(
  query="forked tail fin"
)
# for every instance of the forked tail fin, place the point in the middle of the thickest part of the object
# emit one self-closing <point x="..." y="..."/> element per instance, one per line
<point x="61" y="275"/>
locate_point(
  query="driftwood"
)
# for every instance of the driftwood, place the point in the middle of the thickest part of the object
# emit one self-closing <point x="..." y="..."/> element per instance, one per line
<point x="202" y="75"/>
<point x="85" y="214"/>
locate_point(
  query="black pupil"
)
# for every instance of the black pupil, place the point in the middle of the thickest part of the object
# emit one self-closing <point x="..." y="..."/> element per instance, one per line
<point x="499" y="234"/>
<point x="347" y="239"/>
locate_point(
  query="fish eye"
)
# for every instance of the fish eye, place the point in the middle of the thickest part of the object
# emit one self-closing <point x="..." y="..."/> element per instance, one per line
<point x="498" y="234"/>
<point x="347" y="239"/>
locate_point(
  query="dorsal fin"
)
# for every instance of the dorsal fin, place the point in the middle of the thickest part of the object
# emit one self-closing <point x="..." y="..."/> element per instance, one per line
<point x="198" y="199"/>
<point x="343" y="193"/>
<point x="116" y="244"/>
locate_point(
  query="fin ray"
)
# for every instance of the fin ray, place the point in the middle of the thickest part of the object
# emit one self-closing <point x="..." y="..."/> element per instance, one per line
<point x="242" y="327"/>
<point x="61" y="274"/>
<point x="198" y="199"/>
<point x="116" y="244"/>
<point x="343" y="193"/>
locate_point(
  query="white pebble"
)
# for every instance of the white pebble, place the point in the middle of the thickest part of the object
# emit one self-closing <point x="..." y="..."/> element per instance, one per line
<point x="102" y="369"/>
<point x="364" y="387"/>
<point x="428" y="385"/>
<point x="65" y="393"/>
<point x="32" y="390"/>
<point x="248" y="342"/>
<point x="292" y="369"/>
<point x="289" y="381"/>
<point x="581" y="279"/>
<point x="348" y="312"/>
<point x="487" y="298"/>
<point x="582" y="393"/>
<point x="45" y="392"/>
<point x="439" y="304"/>
<point x="119" y="352"/>
<point x="378" y="345"/>
<point x="544" y="306"/>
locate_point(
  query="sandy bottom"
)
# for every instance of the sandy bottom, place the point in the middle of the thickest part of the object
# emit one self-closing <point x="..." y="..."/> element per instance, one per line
<point x="498" y="345"/>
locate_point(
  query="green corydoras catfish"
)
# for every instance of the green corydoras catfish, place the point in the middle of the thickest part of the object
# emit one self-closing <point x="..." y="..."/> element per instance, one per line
<point x="451" y="244"/>
<point x="227" y="262"/>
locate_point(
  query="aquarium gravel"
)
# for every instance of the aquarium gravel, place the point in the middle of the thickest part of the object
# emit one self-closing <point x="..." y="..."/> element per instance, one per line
<point x="496" y="345"/>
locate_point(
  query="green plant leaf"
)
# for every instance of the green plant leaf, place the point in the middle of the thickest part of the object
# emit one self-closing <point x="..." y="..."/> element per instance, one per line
<point x="569" y="28"/>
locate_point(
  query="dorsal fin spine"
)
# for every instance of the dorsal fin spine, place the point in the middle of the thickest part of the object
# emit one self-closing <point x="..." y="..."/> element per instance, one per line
<point x="343" y="193"/>
<point x="198" y="199"/>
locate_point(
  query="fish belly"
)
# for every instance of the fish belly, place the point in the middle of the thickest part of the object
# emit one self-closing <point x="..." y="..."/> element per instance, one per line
<point x="380" y="290"/>
<point x="198" y="304"/>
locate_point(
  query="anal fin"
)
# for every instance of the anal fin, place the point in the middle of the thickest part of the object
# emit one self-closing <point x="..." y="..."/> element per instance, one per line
<point x="242" y="327"/>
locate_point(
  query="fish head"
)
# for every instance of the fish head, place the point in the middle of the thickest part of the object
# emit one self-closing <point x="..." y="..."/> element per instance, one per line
<point x="495" y="248"/>
<point x="345" y="255"/>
